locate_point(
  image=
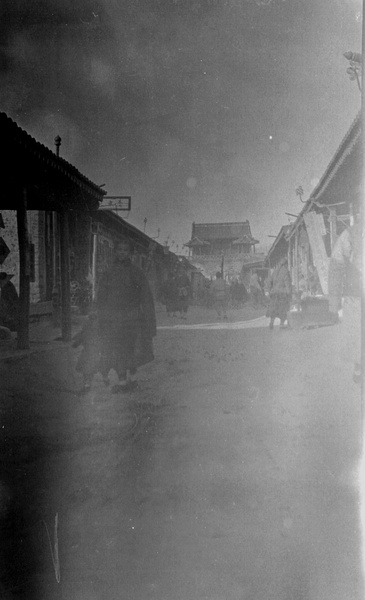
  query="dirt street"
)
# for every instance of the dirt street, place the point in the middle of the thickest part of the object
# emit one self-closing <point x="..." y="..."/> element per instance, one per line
<point x="232" y="473"/>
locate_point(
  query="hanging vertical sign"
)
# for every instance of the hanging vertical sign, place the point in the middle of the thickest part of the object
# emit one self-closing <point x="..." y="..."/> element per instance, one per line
<point x="316" y="230"/>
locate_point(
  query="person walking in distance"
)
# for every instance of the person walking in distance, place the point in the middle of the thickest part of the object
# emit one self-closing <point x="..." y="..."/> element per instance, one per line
<point x="169" y="295"/>
<point x="126" y="312"/>
<point x="184" y="292"/>
<point x="219" y="289"/>
<point x="280" y="291"/>
<point x="256" y="292"/>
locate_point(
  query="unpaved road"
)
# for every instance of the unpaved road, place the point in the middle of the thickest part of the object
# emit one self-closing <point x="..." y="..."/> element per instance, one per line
<point x="230" y="475"/>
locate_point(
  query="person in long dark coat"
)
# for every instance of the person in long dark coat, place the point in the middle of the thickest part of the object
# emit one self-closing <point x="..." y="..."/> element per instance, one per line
<point x="126" y="316"/>
<point x="9" y="303"/>
<point x="280" y="291"/>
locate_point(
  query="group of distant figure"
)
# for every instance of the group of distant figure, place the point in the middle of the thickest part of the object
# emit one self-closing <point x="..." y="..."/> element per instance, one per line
<point x="176" y="294"/>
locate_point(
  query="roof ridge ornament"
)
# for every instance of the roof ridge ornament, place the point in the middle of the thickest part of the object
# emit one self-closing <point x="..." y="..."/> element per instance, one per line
<point x="57" y="143"/>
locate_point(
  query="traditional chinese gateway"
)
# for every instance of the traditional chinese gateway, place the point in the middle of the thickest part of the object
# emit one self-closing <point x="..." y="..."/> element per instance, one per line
<point x="226" y="247"/>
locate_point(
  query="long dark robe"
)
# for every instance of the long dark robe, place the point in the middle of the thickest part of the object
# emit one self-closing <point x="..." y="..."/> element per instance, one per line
<point x="126" y="314"/>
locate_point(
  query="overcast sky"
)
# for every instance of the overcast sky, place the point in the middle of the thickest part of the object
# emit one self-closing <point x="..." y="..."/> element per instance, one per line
<point x="201" y="110"/>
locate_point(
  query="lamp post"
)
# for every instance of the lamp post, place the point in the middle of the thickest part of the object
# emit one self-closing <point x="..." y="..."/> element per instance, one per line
<point x="299" y="192"/>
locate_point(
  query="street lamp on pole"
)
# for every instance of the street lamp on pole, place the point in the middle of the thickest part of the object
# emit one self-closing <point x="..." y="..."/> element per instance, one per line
<point x="299" y="192"/>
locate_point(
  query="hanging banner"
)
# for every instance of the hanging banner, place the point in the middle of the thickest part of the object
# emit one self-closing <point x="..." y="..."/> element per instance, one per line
<point x="316" y="230"/>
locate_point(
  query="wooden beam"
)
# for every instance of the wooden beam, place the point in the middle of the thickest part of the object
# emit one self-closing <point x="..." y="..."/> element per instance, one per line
<point x="65" y="278"/>
<point x="24" y="272"/>
<point x="56" y="283"/>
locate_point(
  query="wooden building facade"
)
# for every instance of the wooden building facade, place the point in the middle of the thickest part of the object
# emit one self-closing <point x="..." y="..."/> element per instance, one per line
<point x="209" y="239"/>
<point x="37" y="179"/>
<point x="59" y="241"/>
<point x="331" y="207"/>
<point x="224" y="247"/>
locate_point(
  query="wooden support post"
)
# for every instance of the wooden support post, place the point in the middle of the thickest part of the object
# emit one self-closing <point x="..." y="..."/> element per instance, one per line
<point x="55" y="271"/>
<point x="94" y="265"/>
<point x="65" y="278"/>
<point x="333" y="228"/>
<point x="290" y="257"/>
<point x="24" y="272"/>
<point x="296" y="259"/>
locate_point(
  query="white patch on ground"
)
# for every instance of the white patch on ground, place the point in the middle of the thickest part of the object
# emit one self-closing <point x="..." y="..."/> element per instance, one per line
<point x="259" y="322"/>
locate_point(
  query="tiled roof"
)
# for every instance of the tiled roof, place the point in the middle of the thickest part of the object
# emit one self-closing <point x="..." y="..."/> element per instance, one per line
<point x="124" y="228"/>
<point x="220" y="231"/>
<point x="350" y="143"/>
<point x="246" y="239"/>
<point x="12" y="132"/>
<point x="281" y="235"/>
<point x="346" y="147"/>
<point x="196" y="242"/>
